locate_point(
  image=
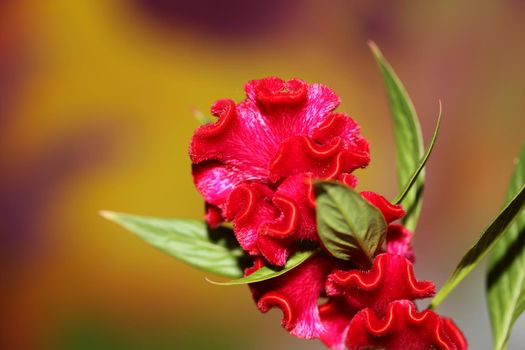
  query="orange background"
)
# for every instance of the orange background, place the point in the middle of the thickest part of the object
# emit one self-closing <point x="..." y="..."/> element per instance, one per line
<point x="95" y="113"/>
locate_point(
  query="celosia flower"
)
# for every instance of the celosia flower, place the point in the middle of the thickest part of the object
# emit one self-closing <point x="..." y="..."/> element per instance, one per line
<point x="253" y="165"/>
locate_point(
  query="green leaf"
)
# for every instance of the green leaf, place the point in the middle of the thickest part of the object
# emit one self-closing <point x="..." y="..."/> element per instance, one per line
<point x="483" y="246"/>
<point x="407" y="134"/>
<point x="268" y="272"/>
<point x="506" y="269"/>
<point x="190" y="241"/>
<point x="349" y="227"/>
<point x="415" y="175"/>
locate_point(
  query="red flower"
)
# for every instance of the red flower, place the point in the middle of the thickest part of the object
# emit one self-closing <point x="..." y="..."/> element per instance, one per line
<point x="280" y="137"/>
<point x="255" y="167"/>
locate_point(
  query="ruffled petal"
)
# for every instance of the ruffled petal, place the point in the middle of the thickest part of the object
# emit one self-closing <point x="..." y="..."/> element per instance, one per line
<point x="273" y="92"/>
<point x="240" y="139"/>
<point x="336" y="317"/>
<point x="403" y="328"/>
<point x="249" y="207"/>
<point x="248" y="136"/>
<point x="340" y="125"/>
<point x="301" y="154"/>
<point x="268" y="223"/>
<point x="390" y="211"/>
<point x="296" y="294"/>
<point x="390" y="278"/>
<point x="295" y="107"/>
<point x="298" y="193"/>
<point x="398" y="241"/>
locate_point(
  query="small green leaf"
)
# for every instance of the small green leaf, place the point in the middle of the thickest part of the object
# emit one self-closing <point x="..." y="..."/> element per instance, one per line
<point x="506" y="269"/>
<point x="201" y="117"/>
<point x="267" y="272"/>
<point x="190" y="241"/>
<point x="407" y="134"/>
<point x="483" y="246"/>
<point x="415" y="175"/>
<point x="349" y="226"/>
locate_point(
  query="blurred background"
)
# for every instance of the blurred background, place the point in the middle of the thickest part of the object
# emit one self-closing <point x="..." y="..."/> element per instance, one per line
<point x="96" y="101"/>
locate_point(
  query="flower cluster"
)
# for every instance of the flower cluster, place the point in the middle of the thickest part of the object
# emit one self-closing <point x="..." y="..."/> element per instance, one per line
<point x="255" y="168"/>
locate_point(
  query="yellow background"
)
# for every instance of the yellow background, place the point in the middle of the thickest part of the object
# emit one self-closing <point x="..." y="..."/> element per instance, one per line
<point x="96" y="101"/>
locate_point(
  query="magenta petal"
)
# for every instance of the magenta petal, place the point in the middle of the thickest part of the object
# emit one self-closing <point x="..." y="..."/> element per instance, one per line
<point x="336" y="317"/>
<point x="296" y="294"/>
<point x="283" y="128"/>
<point x="275" y="251"/>
<point x="316" y="102"/>
<point x="398" y="241"/>
<point x="321" y="102"/>
<point x="215" y="182"/>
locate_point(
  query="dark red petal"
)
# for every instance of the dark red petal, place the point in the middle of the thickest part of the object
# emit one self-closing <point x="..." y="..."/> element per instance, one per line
<point x="390" y="278"/>
<point x="336" y="317"/>
<point x="398" y="241"/>
<point x="390" y="211"/>
<point x="403" y="328"/>
<point x="213" y="215"/>
<point x="296" y="294"/>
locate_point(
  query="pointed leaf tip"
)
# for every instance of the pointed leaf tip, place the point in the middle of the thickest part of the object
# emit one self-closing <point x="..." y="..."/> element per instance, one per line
<point x="107" y="214"/>
<point x="191" y="241"/>
<point x="408" y="138"/>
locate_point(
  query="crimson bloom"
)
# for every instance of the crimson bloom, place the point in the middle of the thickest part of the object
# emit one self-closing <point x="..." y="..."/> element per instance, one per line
<point x="255" y="167"/>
